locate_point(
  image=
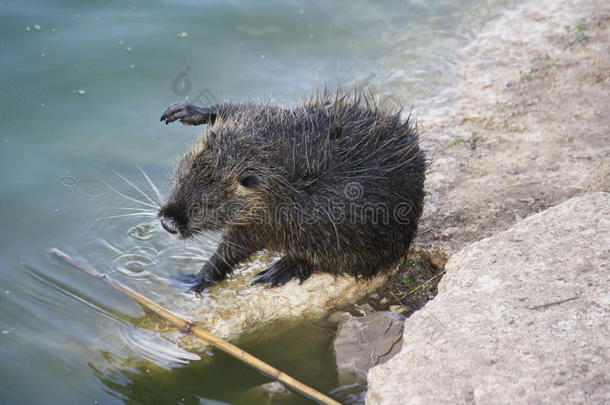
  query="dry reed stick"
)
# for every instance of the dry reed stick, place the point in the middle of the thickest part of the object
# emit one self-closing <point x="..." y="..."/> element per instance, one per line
<point x="201" y="333"/>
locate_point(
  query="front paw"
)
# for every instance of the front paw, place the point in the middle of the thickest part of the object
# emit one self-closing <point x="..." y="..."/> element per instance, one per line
<point x="186" y="113"/>
<point x="282" y="271"/>
<point x="194" y="282"/>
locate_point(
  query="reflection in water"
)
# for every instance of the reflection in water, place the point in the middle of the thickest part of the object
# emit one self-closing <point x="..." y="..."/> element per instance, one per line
<point x="152" y="347"/>
<point x="223" y="378"/>
<point x="134" y="342"/>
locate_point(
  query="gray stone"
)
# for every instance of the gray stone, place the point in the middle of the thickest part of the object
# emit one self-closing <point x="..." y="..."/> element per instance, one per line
<point x="271" y="393"/>
<point x="364" y="309"/>
<point x="338" y="316"/>
<point x="520" y="317"/>
<point x="363" y="342"/>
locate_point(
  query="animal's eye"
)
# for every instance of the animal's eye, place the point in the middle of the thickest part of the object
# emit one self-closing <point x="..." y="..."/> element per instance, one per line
<point x="249" y="180"/>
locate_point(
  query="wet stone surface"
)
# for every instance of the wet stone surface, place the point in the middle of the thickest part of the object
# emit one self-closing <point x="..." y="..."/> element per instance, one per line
<point x="364" y="342"/>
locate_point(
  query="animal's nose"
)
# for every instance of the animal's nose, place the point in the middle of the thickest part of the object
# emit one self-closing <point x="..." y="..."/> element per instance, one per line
<point x="172" y="218"/>
<point x="169" y="225"/>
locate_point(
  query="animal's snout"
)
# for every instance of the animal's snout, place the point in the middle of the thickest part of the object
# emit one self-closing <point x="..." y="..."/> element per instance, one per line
<point x="169" y="226"/>
<point x="173" y="219"/>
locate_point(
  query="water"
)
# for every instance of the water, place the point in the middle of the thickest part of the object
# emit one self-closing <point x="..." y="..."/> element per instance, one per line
<point x="82" y="85"/>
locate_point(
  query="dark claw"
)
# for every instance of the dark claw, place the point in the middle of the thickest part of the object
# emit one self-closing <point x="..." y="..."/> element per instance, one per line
<point x="282" y="271"/>
<point x="202" y="286"/>
<point x="274" y="279"/>
<point x="303" y="276"/>
<point x="179" y="115"/>
<point x="262" y="273"/>
<point x="173" y="108"/>
<point x="187" y="114"/>
<point x="178" y="111"/>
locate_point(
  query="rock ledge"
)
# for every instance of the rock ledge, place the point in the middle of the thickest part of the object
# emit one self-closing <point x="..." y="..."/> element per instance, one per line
<point x="520" y="317"/>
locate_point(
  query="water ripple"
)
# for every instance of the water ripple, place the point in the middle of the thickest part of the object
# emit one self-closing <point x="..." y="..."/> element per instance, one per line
<point x="151" y="346"/>
<point x="143" y="231"/>
<point x="136" y="262"/>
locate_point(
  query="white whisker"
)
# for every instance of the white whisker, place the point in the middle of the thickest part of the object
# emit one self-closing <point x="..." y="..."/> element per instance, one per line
<point x="136" y="187"/>
<point x="207" y="239"/>
<point x="198" y="239"/>
<point x="129" y="198"/>
<point x="205" y="246"/>
<point x="137" y="214"/>
<point x="152" y="184"/>
<point x="135" y="209"/>
<point x="198" y="242"/>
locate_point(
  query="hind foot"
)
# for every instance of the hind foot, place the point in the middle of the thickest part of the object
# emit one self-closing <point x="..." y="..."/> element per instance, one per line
<point x="282" y="271"/>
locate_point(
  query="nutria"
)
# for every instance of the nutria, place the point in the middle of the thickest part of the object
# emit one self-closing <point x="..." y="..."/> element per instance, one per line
<point x="334" y="185"/>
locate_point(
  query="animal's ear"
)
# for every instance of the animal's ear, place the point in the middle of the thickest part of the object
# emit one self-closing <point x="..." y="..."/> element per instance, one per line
<point x="249" y="180"/>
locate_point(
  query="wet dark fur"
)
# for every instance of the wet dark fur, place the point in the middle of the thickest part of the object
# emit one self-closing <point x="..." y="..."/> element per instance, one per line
<point x="303" y="182"/>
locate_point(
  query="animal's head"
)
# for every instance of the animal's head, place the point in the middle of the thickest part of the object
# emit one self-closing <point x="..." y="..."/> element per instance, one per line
<point x="219" y="182"/>
<point x="253" y="158"/>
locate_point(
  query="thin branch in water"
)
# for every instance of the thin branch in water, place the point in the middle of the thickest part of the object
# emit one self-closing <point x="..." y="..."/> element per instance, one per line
<point x="196" y="330"/>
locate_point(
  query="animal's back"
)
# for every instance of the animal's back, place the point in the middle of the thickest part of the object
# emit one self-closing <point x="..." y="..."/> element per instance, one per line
<point x="354" y="185"/>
